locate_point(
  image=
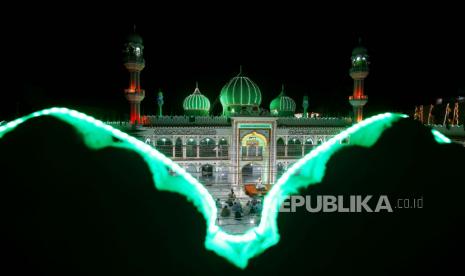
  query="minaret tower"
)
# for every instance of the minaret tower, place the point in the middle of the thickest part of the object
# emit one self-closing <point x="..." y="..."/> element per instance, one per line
<point x="134" y="63"/>
<point x="305" y="106"/>
<point x="358" y="72"/>
<point x="160" y="103"/>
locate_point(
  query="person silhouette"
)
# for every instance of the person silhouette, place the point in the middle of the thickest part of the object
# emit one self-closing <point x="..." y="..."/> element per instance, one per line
<point x="259" y="186"/>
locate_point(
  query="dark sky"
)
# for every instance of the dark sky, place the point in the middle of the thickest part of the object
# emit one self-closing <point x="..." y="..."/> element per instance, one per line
<point x="74" y="59"/>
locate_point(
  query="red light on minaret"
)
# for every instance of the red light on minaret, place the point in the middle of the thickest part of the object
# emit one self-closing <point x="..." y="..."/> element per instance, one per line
<point x="132" y="88"/>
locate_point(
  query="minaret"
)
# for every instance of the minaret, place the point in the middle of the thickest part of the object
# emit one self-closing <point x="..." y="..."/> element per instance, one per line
<point x="134" y="63"/>
<point x="160" y="103"/>
<point x="358" y="72"/>
<point x="305" y="106"/>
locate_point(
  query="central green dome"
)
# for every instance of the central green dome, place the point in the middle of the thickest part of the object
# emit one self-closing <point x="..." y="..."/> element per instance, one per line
<point x="240" y="96"/>
<point x="196" y="104"/>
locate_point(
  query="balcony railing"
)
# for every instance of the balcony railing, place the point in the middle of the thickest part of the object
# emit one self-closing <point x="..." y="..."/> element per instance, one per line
<point x="133" y="59"/>
<point x="364" y="97"/>
<point x="358" y="68"/>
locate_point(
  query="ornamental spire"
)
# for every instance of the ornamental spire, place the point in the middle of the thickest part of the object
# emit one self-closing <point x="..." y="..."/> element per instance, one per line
<point x="197" y="90"/>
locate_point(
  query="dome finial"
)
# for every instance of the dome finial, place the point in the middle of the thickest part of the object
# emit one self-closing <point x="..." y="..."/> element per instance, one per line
<point x="134" y="28"/>
<point x="240" y="69"/>
<point x="282" y="88"/>
<point x="196" y="90"/>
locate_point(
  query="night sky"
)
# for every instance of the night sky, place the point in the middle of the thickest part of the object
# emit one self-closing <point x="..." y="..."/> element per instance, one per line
<point x="76" y="60"/>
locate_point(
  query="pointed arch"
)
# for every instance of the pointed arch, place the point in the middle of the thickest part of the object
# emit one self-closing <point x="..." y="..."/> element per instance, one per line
<point x="178" y="147"/>
<point x="280" y="147"/>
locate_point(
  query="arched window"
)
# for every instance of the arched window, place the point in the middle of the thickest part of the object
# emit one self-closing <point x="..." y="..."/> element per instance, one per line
<point x="223" y="150"/>
<point x="178" y="148"/>
<point x="191" y="148"/>
<point x="206" y="174"/>
<point x="308" y="145"/>
<point x="207" y="147"/>
<point x="294" y="147"/>
<point x="280" y="147"/>
<point x="251" y="172"/>
<point x="165" y="146"/>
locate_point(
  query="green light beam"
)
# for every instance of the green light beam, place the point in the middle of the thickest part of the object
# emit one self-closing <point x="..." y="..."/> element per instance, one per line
<point x="237" y="249"/>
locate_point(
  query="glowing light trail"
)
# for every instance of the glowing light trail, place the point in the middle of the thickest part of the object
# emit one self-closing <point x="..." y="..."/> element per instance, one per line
<point x="238" y="249"/>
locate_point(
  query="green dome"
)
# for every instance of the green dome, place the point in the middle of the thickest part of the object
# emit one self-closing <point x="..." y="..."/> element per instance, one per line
<point x="240" y="96"/>
<point x="196" y="104"/>
<point x="282" y="105"/>
<point x="359" y="51"/>
<point x="134" y="38"/>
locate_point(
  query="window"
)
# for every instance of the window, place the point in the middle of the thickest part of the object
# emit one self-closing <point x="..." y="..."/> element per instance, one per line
<point x="191" y="148"/>
<point x="280" y="147"/>
<point x="308" y="146"/>
<point x="223" y="148"/>
<point x="165" y="146"/>
<point x="178" y="148"/>
<point x="206" y="174"/>
<point x="294" y="148"/>
<point x="207" y="148"/>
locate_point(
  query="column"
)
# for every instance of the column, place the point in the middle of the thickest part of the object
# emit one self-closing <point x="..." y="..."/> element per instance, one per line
<point x="184" y="147"/>
<point x="217" y="144"/>
<point x="173" y="144"/>
<point x="285" y="145"/>
<point x="197" y="141"/>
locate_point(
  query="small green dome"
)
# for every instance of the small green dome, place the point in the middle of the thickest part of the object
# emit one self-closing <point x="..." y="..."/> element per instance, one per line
<point x="282" y="105"/>
<point x="359" y="50"/>
<point x="196" y="104"/>
<point x="240" y="96"/>
<point x="134" y="38"/>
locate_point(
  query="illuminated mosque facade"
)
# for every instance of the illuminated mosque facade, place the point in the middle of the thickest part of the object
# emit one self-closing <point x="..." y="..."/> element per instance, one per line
<point x="244" y="143"/>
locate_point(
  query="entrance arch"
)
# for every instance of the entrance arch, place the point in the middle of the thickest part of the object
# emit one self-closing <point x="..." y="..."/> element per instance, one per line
<point x="251" y="172"/>
<point x="253" y="145"/>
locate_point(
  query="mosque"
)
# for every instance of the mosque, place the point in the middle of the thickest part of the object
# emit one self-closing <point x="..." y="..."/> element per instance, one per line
<point x="245" y="143"/>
